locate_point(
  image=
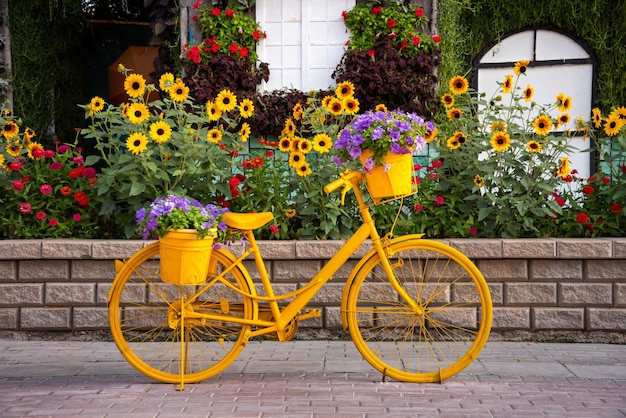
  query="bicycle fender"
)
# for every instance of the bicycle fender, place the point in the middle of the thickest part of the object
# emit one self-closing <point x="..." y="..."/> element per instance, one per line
<point x="355" y="270"/>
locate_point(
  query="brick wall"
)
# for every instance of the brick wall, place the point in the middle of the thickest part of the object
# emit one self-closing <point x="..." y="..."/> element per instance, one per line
<point x="568" y="289"/>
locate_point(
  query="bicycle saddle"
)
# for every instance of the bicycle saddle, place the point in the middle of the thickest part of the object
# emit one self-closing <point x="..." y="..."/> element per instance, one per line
<point x="247" y="220"/>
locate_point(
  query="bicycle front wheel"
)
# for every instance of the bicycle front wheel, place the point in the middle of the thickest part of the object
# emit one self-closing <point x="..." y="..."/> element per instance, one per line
<point x="438" y="335"/>
<point x="154" y="337"/>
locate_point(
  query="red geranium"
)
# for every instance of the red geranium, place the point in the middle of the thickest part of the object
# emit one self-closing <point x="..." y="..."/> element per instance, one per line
<point x="582" y="218"/>
<point x="616" y="208"/>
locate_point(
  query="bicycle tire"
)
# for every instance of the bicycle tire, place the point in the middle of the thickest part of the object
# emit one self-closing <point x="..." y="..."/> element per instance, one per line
<point x="420" y="347"/>
<point x="145" y="322"/>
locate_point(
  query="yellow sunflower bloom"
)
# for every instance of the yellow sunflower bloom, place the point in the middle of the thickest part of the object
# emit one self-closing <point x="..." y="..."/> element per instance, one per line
<point x="179" y="92"/>
<point x="214" y="135"/>
<point x="619" y="113"/>
<point x="478" y="180"/>
<point x="96" y="105"/>
<point x="296" y="159"/>
<point x="500" y="141"/>
<point x="135" y="85"/>
<point x="284" y="144"/>
<point x="304" y="169"/>
<point x="295" y="144"/>
<point x="297" y="111"/>
<point x="160" y="131"/>
<point x="454" y="113"/>
<point x="430" y="135"/>
<point x="244" y="132"/>
<point x="305" y="145"/>
<point x="453" y="143"/>
<point x="380" y="108"/>
<point x="326" y="101"/>
<point x="246" y="108"/>
<point x="137" y="143"/>
<point x="533" y="146"/>
<point x="529" y="92"/>
<point x="344" y="90"/>
<point x="447" y="100"/>
<point x="166" y="82"/>
<point x="213" y="111"/>
<point x="10" y="129"/>
<point x="507" y="84"/>
<point x="29" y="134"/>
<point x="564" y="168"/>
<point x="563" y="119"/>
<point x="13" y="149"/>
<point x="612" y="125"/>
<point x="459" y="85"/>
<point x="138" y="113"/>
<point x="289" y="129"/>
<point x="542" y="125"/>
<point x="322" y="143"/>
<point x="498" y="126"/>
<point x="335" y="106"/>
<point x="521" y="67"/>
<point x="33" y="146"/>
<point x="596" y="117"/>
<point x="351" y="105"/>
<point x="563" y="103"/>
<point x="226" y="100"/>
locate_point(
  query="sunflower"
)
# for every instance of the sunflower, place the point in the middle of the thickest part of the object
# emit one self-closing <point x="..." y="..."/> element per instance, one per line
<point x="244" y="132"/>
<point x="507" y="85"/>
<point x="295" y="144"/>
<point x="542" y="125"/>
<point x="564" y="169"/>
<point x="478" y="180"/>
<point x="214" y="135"/>
<point x="533" y="146"/>
<point x="344" y="90"/>
<point x="246" y="108"/>
<point x="10" y="129"/>
<point x="32" y="147"/>
<point x="2" y="165"/>
<point x="529" y="91"/>
<point x="563" y="119"/>
<point x="460" y="136"/>
<point x="296" y="159"/>
<point x="297" y="111"/>
<point x="134" y="85"/>
<point x="380" y="108"/>
<point x="498" y="126"/>
<point x="447" y="100"/>
<point x="500" y="141"/>
<point x="335" y="106"/>
<point x="160" y="131"/>
<point x="458" y="85"/>
<point x="351" y="105"/>
<point x="304" y="169"/>
<point x="596" y="117"/>
<point x="213" y="111"/>
<point x="430" y="135"/>
<point x="137" y="143"/>
<point x="289" y="129"/>
<point x="284" y="144"/>
<point x="612" y="125"/>
<point x="520" y="67"/>
<point x="226" y="100"/>
<point x="179" y="91"/>
<point x="305" y="145"/>
<point x="322" y="143"/>
<point x="454" y="113"/>
<point x="326" y="101"/>
<point x="620" y="112"/>
<point x="166" y="82"/>
<point x="563" y="103"/>
<point x="96" y="105"/>
<point x="138" y="113"/>
<point x="29" y="134"/>
<point x="453" y="143"/>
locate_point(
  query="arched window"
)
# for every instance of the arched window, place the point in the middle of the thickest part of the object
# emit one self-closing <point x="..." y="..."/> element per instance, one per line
<point x="559" y="64"/>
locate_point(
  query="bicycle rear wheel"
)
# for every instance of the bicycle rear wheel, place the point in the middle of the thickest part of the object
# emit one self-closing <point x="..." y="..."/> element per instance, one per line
<point x="438" y="339"/>
<point x="145" y="320"/>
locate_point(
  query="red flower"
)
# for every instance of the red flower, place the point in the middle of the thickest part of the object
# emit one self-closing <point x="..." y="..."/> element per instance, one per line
<point x="568" y="179"/>
<point x="234" y="193"/>
<point x="418" y="207"/>
<point x="256" y="34"/>
<point x="371" y="52"/>
<point x="53" y="222"/>
<point x="234" y="48"/>
<point x="392" y="35"/>
<point x="439" y="200"/>
<point x="560" y="201"/>
<point x="45" y="188"/>
<point x="66" y="190"/>
<point x="376" y="10"/>
<point x="473" y="231"/>
<point x="416" y="40"/>
<point x="344" y="14"/>
<point x="18" y="185"/>
<point x="216" y="11"/>
<point x="582" y="218"/>
<point x="81" y="198"/>
<point x="40" y="216"/>
<point x="234" y="182"/>
<point x="196" y="4"/>
<point x="274" y="229"/>
<point x="215" y="48"/>
<point x="77" y="217"/>
<point x="38" y="153"/>
<point x="15" y="166"/>
<point x="587" y="189"/>
<point x="433" y="175"/>
<point x="230" y="13"/>
<point x="437" y="38"/>
<point x="194" y="54"/>
<point x="419" y="12"/>
<point x="269" y="153"/>
<point x="623" y="168"/>
<point x="616" y="208"/>
<point x="243" y="51"/>
<point x="403" y="44"/>
<point x="391" y="23"/>
<point x="436" y="163"/>
<point x="606" y="180"/>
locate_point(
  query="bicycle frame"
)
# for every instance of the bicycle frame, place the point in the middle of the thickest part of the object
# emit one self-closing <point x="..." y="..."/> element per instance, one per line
<point x="282" y="315"/>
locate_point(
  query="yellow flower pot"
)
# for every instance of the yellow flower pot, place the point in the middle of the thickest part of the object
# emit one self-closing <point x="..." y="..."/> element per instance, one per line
<point x="184" y="259"/>
<point x="396" y="181"/>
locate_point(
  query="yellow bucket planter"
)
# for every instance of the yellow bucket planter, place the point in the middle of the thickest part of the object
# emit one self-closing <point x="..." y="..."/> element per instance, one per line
<point x="391" y="180"/>
<point x="184" y="259"/>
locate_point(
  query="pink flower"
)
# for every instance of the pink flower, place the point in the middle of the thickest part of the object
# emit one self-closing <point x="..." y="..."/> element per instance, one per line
<point x="473" y="231"/>
<point x="418" y="207"/>
<point x="25" y="207"/>
<point x="45" y="188"/>
<point x="63" y="149"/>
<point x="417" y="167"/>
<point x="77" y="217"/>
<point x="433" y="176"/>
<point x="50" y="154"/>
<point x="56" y="165"/>
<point x="38" y="153"/>
<point x="15" y="166"/>
<point x="78" y="159"/>
<point x="439" y="200"/>
<point x="53" y="222"/>
<point x="18" y="185"/>
<point x="40" y="216"/>
<point x="274" y="229"/>
<point x="89" y="172"/>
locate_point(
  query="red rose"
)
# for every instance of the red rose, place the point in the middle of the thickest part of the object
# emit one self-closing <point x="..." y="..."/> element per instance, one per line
<point x="582" y="218"/>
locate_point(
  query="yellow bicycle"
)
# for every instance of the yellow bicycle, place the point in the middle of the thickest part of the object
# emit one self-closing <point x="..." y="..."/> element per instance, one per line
<point x="417" y="310"/>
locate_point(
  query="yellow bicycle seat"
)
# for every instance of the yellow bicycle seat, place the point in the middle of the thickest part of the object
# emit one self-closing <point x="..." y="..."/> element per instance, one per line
<point x="247" y="220"/>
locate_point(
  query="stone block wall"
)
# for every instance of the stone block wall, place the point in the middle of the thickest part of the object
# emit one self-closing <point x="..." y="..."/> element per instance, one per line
<point x="542" y="289"/>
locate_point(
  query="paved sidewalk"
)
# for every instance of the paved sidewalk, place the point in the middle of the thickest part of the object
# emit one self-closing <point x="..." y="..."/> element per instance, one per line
<point x="313" y="378"/>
